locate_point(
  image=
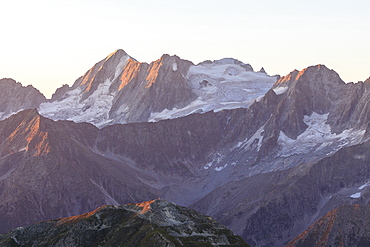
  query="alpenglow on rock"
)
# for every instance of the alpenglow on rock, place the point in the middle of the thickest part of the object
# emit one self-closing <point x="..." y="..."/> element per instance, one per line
<point x="120" y="89"/>
<point x="151" y="223"/>
<point x="347" y="225"/>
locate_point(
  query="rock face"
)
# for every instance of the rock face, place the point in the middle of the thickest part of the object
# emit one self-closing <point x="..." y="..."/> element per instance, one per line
<point x="49" y="170"/>
<point x="151" y="223"/>
<point x="271" y="208"/>
<point x="346" y="225"/>
<point x="14" y="97"/>
<point x="120" y="89"/>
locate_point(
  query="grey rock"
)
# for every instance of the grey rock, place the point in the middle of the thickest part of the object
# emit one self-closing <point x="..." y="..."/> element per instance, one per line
<point x="14" y="97"/>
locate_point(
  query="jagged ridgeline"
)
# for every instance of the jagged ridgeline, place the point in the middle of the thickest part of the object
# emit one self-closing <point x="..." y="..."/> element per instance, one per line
<point x="151" y="223"/>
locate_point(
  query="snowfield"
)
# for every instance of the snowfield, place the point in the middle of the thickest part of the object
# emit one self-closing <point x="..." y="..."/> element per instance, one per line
<point x="219" y="85"/>
<point x="318" y="137"/>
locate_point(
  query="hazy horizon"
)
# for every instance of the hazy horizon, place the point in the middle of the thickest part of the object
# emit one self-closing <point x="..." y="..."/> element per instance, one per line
<point x="50" y="43"/>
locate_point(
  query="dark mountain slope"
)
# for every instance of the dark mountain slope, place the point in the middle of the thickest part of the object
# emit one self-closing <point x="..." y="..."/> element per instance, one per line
<point x="151" y="223"/>
<point x="271" y="208"/>
<point x="48" y="171"/>
<point x="347" y="225"/>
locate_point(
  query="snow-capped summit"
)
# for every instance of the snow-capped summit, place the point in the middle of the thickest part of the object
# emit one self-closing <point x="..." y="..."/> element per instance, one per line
<point x="120" y="89"/>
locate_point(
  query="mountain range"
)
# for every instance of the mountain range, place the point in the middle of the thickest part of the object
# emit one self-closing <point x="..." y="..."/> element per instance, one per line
<point x="267" y="156"/>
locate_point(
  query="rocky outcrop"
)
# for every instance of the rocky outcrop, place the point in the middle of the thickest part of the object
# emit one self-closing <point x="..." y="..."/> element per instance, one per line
<point x="14" y="97"/>
<point x="347" y="225"/>
<point x="151" y="223"/>
<point x="60" y="93"/>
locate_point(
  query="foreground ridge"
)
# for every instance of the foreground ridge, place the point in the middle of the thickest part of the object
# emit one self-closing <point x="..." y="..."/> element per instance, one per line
<point x="151" y="223"/>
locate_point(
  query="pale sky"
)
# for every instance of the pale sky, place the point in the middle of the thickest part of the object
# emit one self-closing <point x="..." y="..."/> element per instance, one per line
<point x="48" y="43"/>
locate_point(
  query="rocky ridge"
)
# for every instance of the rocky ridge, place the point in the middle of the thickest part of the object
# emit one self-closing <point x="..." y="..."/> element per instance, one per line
<point x="14" y="97"/>
<point x="151" y="223"/>
<point x="346" y="225"/>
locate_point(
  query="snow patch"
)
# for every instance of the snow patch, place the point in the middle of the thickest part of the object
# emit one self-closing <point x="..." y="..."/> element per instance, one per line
<point x="364" y="186"/>
<point x="4" y="115"/>
<point x="121" y="65"/>
<point x="174" y="66"/>
<point x="280" y="90"/>
<point x="220" y="168"/>
<point x="254" y="142"/>
<point x="356" y="195"/>
<point x="318" y="137"/>
<point x="208" y="165"/>
<point x="95" y="109"/>
<point x="259" y="98"/>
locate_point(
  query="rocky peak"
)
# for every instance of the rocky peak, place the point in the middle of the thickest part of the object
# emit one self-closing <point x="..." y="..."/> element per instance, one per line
<point x="314" y="75"/>
<point x="60" y="92"/>
<point x="14" y="97"/>
<point x="301" y="93"/>
<point x="105" y="71"/>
